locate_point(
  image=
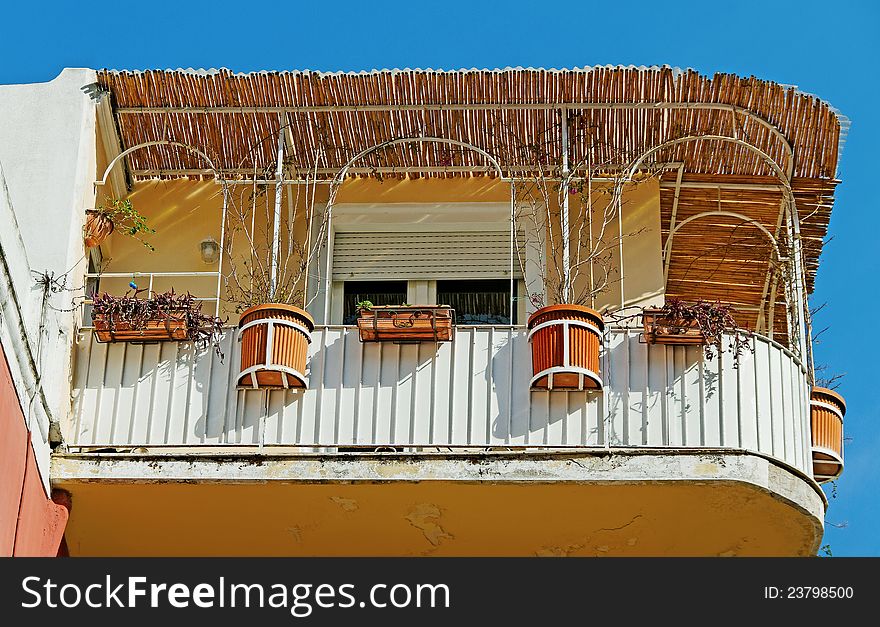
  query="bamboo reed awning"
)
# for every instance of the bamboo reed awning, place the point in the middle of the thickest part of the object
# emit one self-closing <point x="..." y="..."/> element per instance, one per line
<point x="515" y="115"/>
<point x="613" y="110"/>
<point x="723" y="258"/>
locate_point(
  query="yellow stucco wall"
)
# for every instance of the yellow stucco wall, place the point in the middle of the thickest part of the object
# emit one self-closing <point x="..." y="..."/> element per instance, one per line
<point x="185" y="212"/>
<point x="642" y="278"/>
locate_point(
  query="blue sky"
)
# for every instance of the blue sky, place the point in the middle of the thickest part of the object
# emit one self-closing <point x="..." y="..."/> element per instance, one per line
<point x="829" y="49"/>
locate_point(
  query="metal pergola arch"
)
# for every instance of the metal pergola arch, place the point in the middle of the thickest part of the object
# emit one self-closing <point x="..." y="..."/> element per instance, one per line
<point x="790" y="208"/>
<point x="783" y="174"/>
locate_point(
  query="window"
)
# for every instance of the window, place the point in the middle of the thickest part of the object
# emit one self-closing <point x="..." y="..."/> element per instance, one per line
<point x="377" y="292"/>
<point x="407" y="253"/>
<point x="477" y="301"/>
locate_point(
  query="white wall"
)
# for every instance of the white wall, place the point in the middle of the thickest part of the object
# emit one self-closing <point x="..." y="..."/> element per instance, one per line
<point x="47" y="167"/>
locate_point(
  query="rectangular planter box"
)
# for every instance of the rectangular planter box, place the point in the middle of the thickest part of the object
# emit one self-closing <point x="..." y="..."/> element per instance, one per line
<point x="172" y="327"/>
<point x="415" y="323"/>
<point x="659" y="329"/>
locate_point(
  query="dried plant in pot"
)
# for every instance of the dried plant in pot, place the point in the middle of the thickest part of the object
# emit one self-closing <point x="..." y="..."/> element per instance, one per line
<point x="265" y="272"/>
<point x="700" y="323"/>
<point x="405" y="323"/>
<point x="154" y="318"/>
<point x="569" y="216"/>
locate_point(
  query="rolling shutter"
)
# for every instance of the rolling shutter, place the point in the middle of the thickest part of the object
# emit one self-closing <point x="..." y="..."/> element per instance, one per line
<point x="422" y="255"/>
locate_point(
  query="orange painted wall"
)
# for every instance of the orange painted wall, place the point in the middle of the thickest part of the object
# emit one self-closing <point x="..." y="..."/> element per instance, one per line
<point x="31" y="525"/>
<point x="13" y="458"/>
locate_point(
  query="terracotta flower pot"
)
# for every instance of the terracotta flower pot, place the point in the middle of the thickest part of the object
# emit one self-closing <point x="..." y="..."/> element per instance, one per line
<point x="410" y="323"/>
<point x="274" y="346"/>
<point x="565" y="341"/>
<point x="662" y="329"/>
<point x="97" y="228"/>
<point x="827" y="409"/>
<point x="170" y="327"/>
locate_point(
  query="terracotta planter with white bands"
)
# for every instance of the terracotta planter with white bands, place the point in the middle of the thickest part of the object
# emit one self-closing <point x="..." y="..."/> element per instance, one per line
<point x="565" y="341"/>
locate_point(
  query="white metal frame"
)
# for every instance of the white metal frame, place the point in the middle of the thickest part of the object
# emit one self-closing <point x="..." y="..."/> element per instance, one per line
<point x="832" y="408"/>
<point x="835" y="460"/>
<point x="152" y="276"/>
<point x="802" y="322"/>
<point x="784" y="175"/>
<point x="214" y="171"/>
<point x="667" y="255"/>
<point x="164" y="142"/>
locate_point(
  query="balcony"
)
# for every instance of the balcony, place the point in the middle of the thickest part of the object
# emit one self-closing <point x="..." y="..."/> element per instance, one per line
<point x="472" y="393"/>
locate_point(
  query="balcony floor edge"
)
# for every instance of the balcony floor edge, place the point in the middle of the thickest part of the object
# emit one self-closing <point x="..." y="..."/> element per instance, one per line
<point x="756" y="497"/>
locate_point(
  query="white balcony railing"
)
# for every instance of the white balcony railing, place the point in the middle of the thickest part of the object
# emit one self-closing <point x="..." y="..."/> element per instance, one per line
<point x="472" y="392"/>
<point x="204" y="286"/>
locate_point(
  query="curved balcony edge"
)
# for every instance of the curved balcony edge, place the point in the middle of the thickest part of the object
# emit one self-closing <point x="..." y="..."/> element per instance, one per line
<point x="635" y="501"/>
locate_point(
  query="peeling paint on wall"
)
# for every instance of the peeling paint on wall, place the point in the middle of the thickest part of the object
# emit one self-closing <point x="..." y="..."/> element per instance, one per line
<point x="349" y="505"/>
<point x="426" y="517"/>
<point x="295" y="533"/>
<point x="558" y="551"/>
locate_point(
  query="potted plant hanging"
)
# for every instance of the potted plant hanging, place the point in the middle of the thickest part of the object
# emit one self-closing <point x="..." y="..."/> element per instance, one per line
<point x="827" y="409"/>
<point x="405" y="323"/>
<point x="154" y="318"/>
<point x="116" y="215"/>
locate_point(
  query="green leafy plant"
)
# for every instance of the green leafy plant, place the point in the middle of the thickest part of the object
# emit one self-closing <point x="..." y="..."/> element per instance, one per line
<point x="364" y="305"/>
<point x="126" y="219"/>
<point x="135" y="311"/>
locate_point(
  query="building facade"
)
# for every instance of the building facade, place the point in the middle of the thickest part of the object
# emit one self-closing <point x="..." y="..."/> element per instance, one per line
<point x="494" y="312"/>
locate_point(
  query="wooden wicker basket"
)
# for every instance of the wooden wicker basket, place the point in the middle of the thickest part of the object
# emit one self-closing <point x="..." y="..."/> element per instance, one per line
<point x="565" y="341"/>
<point x="170" y="327"/>
<point x="827" y="409"/>
<point x="274" y="346"/>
